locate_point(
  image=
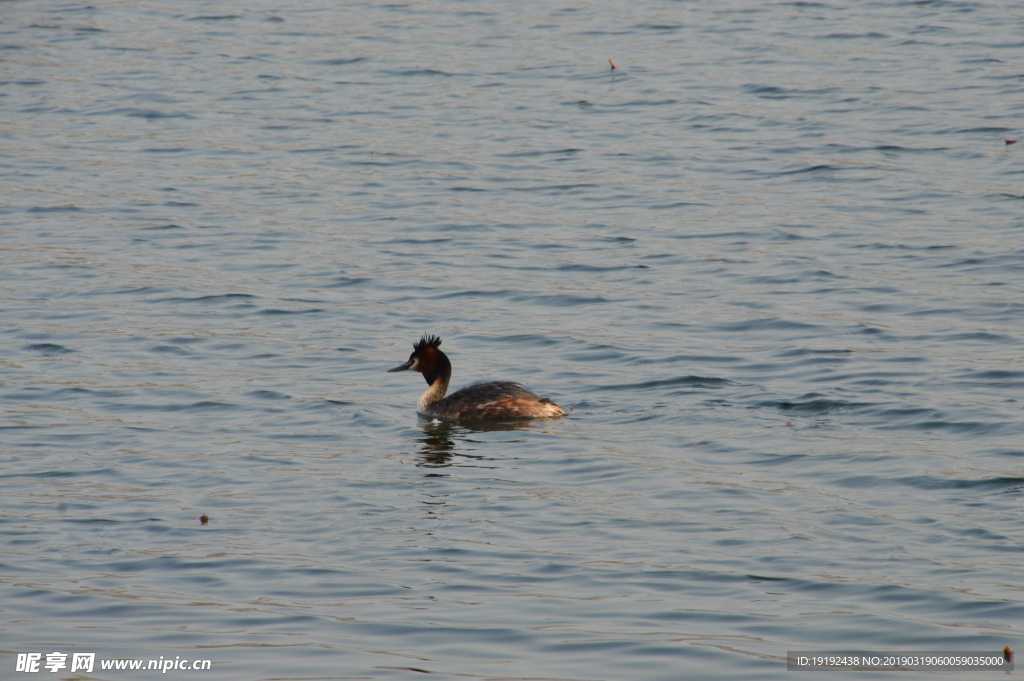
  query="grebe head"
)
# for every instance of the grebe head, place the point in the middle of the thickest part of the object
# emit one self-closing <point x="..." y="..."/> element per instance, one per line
<point x="427" y="359"/>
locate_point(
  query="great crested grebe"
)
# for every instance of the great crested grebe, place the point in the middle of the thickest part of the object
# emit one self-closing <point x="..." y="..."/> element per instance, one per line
<point x="496" y="400"/>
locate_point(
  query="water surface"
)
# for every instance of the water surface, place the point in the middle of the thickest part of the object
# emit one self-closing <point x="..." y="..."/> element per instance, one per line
<point x="773" y="262"/>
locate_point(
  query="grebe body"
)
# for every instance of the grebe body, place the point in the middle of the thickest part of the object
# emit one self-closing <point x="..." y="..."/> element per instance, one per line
<point x="495" y="400"/>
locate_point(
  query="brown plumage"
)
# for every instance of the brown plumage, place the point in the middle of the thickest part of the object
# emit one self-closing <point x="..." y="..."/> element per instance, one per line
<point x="491" y="401"/>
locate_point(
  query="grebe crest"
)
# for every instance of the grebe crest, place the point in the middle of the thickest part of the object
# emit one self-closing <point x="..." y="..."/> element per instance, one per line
<point x="495" y="400"/>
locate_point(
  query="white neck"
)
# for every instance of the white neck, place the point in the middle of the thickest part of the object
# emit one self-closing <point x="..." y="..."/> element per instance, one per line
<point x="435" y="393"/>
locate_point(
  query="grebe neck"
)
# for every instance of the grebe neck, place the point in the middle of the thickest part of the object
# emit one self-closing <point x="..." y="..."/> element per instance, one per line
<point x="435" y="393"/>
<point x="437" y="375"/>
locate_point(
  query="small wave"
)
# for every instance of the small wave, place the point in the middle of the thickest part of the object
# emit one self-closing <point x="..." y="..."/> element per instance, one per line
<point x="268" y="395"/>
<point x="802" y="352"/>
<point x="821" y="167"/>
<point x="54" y="209"/>
<point x="853" y="36"/>
<point x="136" y="405"/>
<point x="214" y="17"/>
<point x="140" y="113"/>
<point x="172" y="349"/>
<point x="206" y="299"/>
<point x="342" y="61"/>
<point x="764" y="324"/>
<point x="932" y="482"/>
<point x="48" y="348"/>
<point x="812" y="403"/>
<point x="344" y="282"/>
<point x="694" y="381"/>
<point x="278" y="311"/>
<point x="569" y="151"/>
<point x="407" y="73"/>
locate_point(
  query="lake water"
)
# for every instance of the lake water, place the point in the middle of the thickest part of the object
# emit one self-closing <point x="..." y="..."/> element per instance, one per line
<point x="773" y="261"/>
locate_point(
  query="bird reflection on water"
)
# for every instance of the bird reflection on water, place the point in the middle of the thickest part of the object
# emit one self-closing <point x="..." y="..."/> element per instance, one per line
<point x="443" y="440"/>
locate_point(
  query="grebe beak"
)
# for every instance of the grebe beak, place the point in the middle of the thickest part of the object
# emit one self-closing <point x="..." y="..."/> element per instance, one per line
<point x="402" y="367"/>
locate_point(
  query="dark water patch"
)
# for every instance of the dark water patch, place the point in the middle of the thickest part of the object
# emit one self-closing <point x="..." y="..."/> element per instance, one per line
<point x="778" y="460"/>
<point x="63" y="394"/>
<point x="475" y="294"/>
<point x="413" y="73"/>
<point x="421" y="242"/>
<point x="716" y="235"/>
<point x="935" y="311"/>
<point x="797" y="236"/>
<point x="92" y="472"/>
<point x="568" y="151"/>
<point x="132" y="112"/>
<point x="707" y="382"/>
<point x="304" y="437"/>
<point x="904" y="359"/>
<point x="658" y="27"/>
<point x="776" y="92"/>
<point x="775" y="281"/>
<point x="54" y="209"/>
<point x="984" y="131"/>
<point x="214" y="17"/>
<point x="597" y="268"/>
<point x="268" y="395"/>
<point x="696" y="359"/>
<point x="278" y="311"/>
<point x="171" y="349"/>
<point x="813" y="404"/>
<point x="74" y="393"/>
<point x="905" y="247"/>
<point x="765" y="324"/>
<point x="554" y="188"/>
<point x="632" y="104"/>
<point x="943" y="425"/>
<point x="212" y="298"/>
<point x="882" y="307"/>
<point x="341" y="61"/>
<point x="873" y="35"/>
<point x="981" y="336"/>
<point x="803" y="352"/>
<point x="187" y="340"/>
<point x="331" y="404"/>
<point x="562" y="300"/>
<point x="876" y="382"/>
<point x="818" y="168"/>
<point x="198" y="407"/>
<point x="934" y="482"/>
<point x="893" y="149"/>
<point x="49" y="348"/>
